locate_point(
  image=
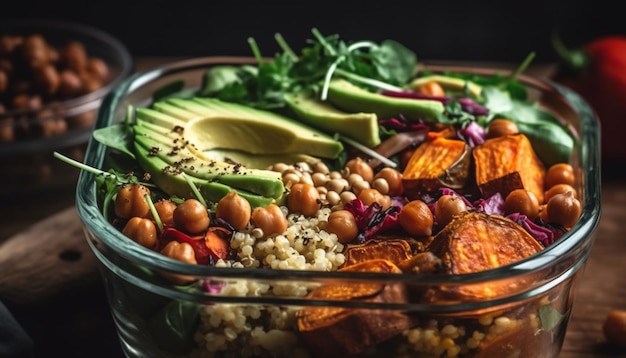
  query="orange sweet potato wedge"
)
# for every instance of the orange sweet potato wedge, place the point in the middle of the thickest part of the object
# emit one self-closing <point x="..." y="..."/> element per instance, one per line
<point x="476" y="242"/>
<point x="393" y="249"/>
<point x="506" y="163"/>
<point x="435" y="163"/>
<point x="344" y="332"/>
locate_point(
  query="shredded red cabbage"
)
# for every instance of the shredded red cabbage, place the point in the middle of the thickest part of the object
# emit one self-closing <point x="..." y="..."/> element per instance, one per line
<point x="545" y="235"/>
<point x="473" y="134"/>
<point x="371" y="219"/>
<point x="467" y="104"/>
<point x="401" y="124"/>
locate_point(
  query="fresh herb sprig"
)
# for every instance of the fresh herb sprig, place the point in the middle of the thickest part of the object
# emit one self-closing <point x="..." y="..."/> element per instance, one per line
<point x="387" y="65"/>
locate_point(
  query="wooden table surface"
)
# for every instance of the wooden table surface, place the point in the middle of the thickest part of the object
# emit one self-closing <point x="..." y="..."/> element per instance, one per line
<point x="71" y="319"/>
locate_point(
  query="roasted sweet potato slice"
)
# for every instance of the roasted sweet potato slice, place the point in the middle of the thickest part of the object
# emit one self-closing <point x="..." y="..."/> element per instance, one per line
<point x="344" y="332"/>
<point x="476" y="242"/>
<point x="506" y="163"/>
<point x="394" y="249"/>
<point x="435" y="163"/>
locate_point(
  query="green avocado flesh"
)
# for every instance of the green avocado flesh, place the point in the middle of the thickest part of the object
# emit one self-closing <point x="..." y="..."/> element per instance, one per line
<point x="177" y="136"/>
<point x="210" y="123"/>
<point x="348" y="97"/>
<point x="361" y="127"/>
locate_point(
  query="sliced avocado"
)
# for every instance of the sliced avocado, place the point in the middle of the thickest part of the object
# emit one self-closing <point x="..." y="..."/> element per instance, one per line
<point x="351" y="98"/>
<point x="211" y="123"/>
<point x="360" y="126"/>
<point x="163" y="149"/>
<point x="449" y="83"/>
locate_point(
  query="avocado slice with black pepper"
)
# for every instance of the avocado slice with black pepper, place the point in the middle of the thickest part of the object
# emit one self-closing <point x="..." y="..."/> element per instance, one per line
<point x="172" y="137"/>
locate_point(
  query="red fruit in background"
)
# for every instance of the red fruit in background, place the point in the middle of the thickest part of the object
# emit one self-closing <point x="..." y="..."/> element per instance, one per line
<point x="597" y="71"/>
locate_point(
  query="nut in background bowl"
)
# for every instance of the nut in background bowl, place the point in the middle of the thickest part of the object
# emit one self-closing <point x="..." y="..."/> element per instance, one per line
<point x="53" y="76"/>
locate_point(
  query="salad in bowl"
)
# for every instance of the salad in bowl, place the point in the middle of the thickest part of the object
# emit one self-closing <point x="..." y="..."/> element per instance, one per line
<point x="343" y="200"/>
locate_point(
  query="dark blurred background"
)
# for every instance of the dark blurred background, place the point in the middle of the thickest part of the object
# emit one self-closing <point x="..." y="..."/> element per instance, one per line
<point x="480" y="30"/>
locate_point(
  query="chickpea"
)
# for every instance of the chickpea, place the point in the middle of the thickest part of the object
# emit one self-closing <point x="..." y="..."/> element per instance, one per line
<point x="360" y="166"/>
<point x="564" y="209"/>
<point x="320" y="167"/>
<point x="304" y="198"/>
<point x="522" y="201"/>
<point x="333" y="197"/>
<point x="165" y="209"/>
<point x="560" y="173"/>
<point x="614" y="328"/>
<point x="191" y="217"/>
<point x="319" y="179"/>
<point x="381" y="185"/>
<point x="431" y="88"/>
<point x="74" y="56"/>
<point x="447" y="207"/>
<point x="393" y="178"/>
<point x="337" y="184"/>
<point x="70" y="84"/>
<point x="130" y="201"/>
<point x="370" y="196"/>
<point x="235" y="210"/>
<point x="142" y="231"/>
<point x="500" y="127"/>
<point x="354" y="178"/>
<point x="416" y="218"/>
<point x="358" y="187"/>
<point x="347" y="196"/>
<point x="34" y="51"/>
<point x="98" y="68"/>
<point x="343" y="224"/>
<point x="558" y="189"/>
<point x="47" y="79"/>
<point x="270" y="219"/>
<point x="180" y="251"/>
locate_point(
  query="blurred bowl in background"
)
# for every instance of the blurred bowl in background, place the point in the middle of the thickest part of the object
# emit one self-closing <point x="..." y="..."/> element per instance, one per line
<point x="53" y="76"/>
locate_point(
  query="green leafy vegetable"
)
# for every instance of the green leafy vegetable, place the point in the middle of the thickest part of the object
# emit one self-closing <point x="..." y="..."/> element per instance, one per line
<point x="550" y="317"/>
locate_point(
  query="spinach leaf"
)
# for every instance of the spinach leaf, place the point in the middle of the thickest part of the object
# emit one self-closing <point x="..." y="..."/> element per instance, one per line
<point x="117" y="136"/>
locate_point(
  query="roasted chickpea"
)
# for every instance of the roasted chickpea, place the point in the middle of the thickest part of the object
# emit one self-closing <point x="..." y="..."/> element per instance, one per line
<point x="165" y="209"/>
<point x="304" y="198"/>
<point x="500" y="127"/>
<point x="235" y="210"/>
<point x="614" y="328"/>
<point x="269" y="219"/>
<point x="130" y="201"/>
<point x="416" y="218"/>
<point x="142" y="231"/>
<point x="74" y="56"/>
<point x="558" y="189"/>
<point x="560" y="173"/>
<point x="371" y="195"/>
<point x="522" y="201"/>
<point x="343" y="224"/>
<point x="431" y="88"/>
<point x="191" y="217"/>
<point x="393" y="178"/>
<point x="180" y="251"/>
<point x="447" y="207"/>
<point x="564" y="209"/>
<point x="70" y="84"/>
<point x="360" y="166"/>
<point x="34" y="51"/>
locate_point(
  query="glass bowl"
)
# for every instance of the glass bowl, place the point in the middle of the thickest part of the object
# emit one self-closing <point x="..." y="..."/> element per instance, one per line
<point x="54" y="107"/>
<point x="253" y="312"/>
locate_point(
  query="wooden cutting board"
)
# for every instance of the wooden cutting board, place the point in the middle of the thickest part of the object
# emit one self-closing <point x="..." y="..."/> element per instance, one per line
<point x="47" y="259"/>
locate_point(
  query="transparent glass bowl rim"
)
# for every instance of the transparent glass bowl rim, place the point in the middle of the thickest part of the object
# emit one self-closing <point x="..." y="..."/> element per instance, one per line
<point x="85" y="102"/>
<point x="576" y="243"/>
